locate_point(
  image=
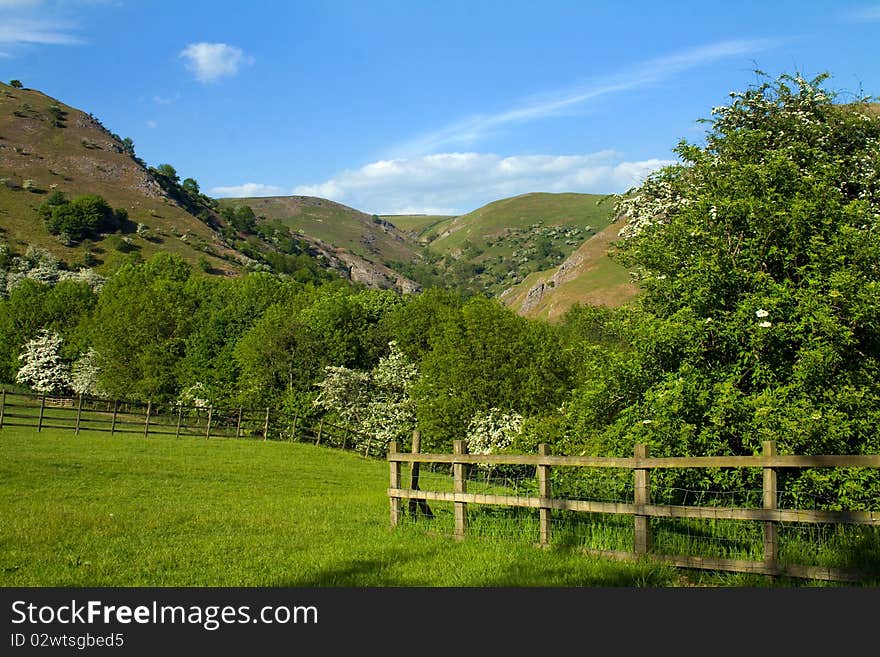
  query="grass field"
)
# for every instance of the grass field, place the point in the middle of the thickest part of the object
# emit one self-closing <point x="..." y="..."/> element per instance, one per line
<point x="95" y="510"/>
<point x="91" y="510"/>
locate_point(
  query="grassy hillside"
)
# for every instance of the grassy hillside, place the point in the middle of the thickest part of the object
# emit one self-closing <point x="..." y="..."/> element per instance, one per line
<point x="518" y="215"/>
<point x="416" y="226"/>
<point x="362" y="234"/>
<point x="46" y="146"/>
<point x="498" y="245"/>
<point x="588" y="277"/>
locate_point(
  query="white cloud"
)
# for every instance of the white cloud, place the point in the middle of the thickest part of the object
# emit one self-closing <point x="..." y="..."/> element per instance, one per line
<point x="28" y="31"/>
<point x="212" y="61"/>
<point x="245" y="190"/>
<point x="455" y="183"/>
<point x="152" y="124"/>
<point x="471" y="130"/>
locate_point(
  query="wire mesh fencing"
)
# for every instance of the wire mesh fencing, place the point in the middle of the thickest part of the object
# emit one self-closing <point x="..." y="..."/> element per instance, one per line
<point x="752" y="515"/>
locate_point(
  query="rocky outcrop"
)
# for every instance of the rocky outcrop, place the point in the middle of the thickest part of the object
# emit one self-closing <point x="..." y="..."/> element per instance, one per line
<point x="564" y="272"/>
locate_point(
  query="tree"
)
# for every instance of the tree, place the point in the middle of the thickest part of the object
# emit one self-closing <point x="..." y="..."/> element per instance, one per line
<point x="378" y="402"/>
<point x="42" y="367"/>
<point x="140" y="326"/>
<point x="128" y="145"/>
<point x="229" y="308"/>
<point x="168" y="172"/>
<point x="33" y="306"/>
<point x="278" y="357"/>
<point x="16" y="84"/>
<point x="83" y="216"/>
<point x="486" y="356"/>
<point x="84" y="374"/>
<point x="758" y="257"/>
<point x="190" y="185"/>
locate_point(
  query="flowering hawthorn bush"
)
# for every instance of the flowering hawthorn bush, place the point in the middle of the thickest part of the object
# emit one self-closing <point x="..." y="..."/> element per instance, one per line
<point x="42" y="367"/>
<point x="759" y="255"/>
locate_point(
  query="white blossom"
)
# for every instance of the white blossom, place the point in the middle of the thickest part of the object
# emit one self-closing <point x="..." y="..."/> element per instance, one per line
<point x="492" y="431"/>
<point x="195" y="395"/>
<point x="84" y="374"/>
<point x="42" y="366"/>
<point x="377" y="403"/>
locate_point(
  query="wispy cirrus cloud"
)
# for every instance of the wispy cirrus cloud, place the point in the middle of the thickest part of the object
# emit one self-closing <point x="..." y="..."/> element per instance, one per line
<point x="455" y="183"/>
<point x="22" y="31"/>
<point x="863" y="14"/>
<point x="469" y="131"/>
<point x="211" y="61"/>
<point x="245" y="190"/>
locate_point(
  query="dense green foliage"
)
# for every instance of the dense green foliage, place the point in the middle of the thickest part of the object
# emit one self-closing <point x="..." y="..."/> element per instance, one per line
<point x="760" y="259"/>
<point x="84" y="216"/>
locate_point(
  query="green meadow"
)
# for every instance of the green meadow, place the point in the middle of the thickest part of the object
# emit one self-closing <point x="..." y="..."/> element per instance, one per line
<point x="93" y="510"/>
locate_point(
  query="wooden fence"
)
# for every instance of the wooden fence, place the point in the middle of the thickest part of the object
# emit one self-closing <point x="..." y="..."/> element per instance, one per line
<point x="641" y="508"/>
<point x="84" y="413"/>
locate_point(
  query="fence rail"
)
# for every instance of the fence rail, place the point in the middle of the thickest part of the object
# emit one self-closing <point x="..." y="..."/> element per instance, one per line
<point x="85" y="413"/>
<point x="641" y="509"/>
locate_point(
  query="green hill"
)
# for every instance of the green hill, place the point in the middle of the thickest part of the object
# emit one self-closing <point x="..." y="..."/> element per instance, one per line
<point x="47" y="146"/>
<point x="363" y="234"/>
<point x="500" y="244"/>
<point x="589" y="276"/>
<point x="491" y="224"/>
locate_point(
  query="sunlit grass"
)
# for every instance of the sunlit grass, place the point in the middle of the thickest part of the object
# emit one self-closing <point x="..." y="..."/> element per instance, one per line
<point x="96" y="510"/>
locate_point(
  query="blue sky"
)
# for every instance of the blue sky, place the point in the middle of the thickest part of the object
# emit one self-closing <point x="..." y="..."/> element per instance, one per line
<point x="416" y="106"/>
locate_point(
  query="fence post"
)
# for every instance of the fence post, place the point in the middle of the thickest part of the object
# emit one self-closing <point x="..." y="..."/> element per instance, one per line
<point x="345" y="437"/>
<point x="2" y="407"/>
<point x="771" y="542"/>
<point x="147" y="418"/>
<point x="642" y="537"/>
<point x="293" y="427"/>
<point x="417" y="505"/>
<point x="369" y="445"/>
<point x="238" y="424"/>
<point x="208" y="429"/>
<point x="460" y="486"/>
<point x="179" y="413"/>
<point x="113" y="422"/>
<point x="42" y="407"/>
<point x="394" y="483"/>
<point x="79" y="406"/>
<point x="543" y="472"/>
<point x="266" y="425"/>
<point x="320" y="429"/>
